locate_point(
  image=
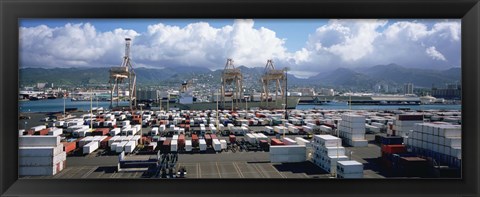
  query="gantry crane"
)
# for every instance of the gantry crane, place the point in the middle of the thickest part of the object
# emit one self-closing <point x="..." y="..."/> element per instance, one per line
<point x="271" y="74"/>
<point x="231" y="76"/>
<point x="121" y="74"/>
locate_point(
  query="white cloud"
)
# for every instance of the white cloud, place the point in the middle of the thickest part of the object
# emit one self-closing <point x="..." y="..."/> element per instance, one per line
<point x="345" y="43"/>
<point x="432" y="52"/>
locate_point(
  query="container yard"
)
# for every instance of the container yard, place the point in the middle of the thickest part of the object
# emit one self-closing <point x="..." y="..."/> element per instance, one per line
<point x="245" y="144"/>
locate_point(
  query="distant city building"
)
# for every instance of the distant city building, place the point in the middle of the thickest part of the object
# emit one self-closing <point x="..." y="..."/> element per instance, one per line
<point x="408" y="88"/>
<point x="452" y="91"/>
<point x="41" y="85"/>
<point x="306" y="91"/>
<point x="326" y="92"/>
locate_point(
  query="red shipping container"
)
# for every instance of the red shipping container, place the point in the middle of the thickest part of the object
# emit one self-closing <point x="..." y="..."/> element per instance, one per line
<point x="181" y="140"/>
<point x="69" y="147"/>
<point x="276" y="142"/>
<point x="166" y="145"/>
<point x="29" y="132"/>
<point x="232" y="138"/>
<point x="42" y="132"/>
<point x="394" y="149"/>
<point x="100" y="131"/>
<point x="195" y="140"/>
<point x="208" y="139"/>
<point x="213" y="136"/>
<point x="104" y="143"/>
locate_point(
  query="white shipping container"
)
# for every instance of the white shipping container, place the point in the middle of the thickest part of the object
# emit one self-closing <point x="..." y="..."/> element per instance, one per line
<point x="40" y="151"/>
<point x="120" y="146"/>
<point x="130" y="146"/>
<point x="349" y="167"/>
<point x="90" y="147"/>
<point x="188" y="145"/>
<point x="224" y="144"/>
<point x="38" y="128"/>
<point x="42" y="161"/>
<point x="217" y="146"/>
<point x="453" y="141"/>
<point x="203" y="144"/>
<point x="174" y="145"/>
<point x="38" y="140"/>
<point x="333" y="151"/>
<point x="287" y="158"/>
<point x="288" y="150"/>
<point x="112" y="140"/>
<point x="288" y="141"/>
<point x="327" y="140"/>
<point x="114" y="132"/>
<point x="114" y="145"/>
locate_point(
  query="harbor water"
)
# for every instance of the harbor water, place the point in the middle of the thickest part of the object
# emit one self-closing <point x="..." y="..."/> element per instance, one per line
<point x="56" y="105"/>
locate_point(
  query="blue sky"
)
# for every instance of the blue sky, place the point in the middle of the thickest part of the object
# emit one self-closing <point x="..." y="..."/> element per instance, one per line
<point x="307" y="46"/>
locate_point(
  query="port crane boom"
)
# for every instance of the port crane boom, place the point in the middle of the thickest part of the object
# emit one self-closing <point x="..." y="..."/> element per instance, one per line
<point x="121" y="74"/>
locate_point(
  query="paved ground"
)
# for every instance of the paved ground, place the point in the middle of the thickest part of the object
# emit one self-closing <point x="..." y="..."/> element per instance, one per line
<point x="219" y="165"/>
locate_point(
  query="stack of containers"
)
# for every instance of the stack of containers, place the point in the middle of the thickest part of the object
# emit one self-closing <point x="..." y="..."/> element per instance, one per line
<point x="288" y="153"/>
<point x="349" y="169"/>
<point x="352" y="130"/>
<point x="301" y="141"/>
<point x="288" y="141"/>
<point x="203" y="145"/>
<point x="328" y="150"/>
<point x="217" y="146"/>
<point x="405" y="122"/>
<point x="40" y="155"/>
<point x="188" y="145"/>
<point x="441" y="141"/>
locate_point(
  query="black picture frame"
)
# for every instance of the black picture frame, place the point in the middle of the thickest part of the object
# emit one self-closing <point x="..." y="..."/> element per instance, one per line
<point x="11" y="11"/>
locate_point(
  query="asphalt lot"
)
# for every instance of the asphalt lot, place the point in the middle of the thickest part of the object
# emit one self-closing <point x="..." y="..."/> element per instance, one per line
<point x="219" y="165"/>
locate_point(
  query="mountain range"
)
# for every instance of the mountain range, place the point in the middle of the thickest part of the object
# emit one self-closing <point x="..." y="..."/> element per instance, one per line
<point x="365" y="77"/>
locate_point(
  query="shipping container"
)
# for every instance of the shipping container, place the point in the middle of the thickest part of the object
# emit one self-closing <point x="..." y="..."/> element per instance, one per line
<point x="100" y="131"/>
<point x="69" y="147"/>
<point x="276" y="142"/>
<point x="203" y="145"/>
<point x="90" y="147"/>
<point x="394" y="149"/>
<point x="188" y="145"/>
<point x="42" y="132"/>
<point x="391" y="140"/>
<point x="55" y="132"/>
<point x="232" y="139"/>
<point x="40" y="151"/>
<point x="39" y="140"/>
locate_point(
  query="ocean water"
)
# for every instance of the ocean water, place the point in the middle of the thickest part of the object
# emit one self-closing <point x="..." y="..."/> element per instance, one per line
<point x="56" y="105"/>
<point x="381" y="107"/>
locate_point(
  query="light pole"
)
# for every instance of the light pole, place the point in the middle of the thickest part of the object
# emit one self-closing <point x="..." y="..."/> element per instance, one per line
<point x="286" y="119"/>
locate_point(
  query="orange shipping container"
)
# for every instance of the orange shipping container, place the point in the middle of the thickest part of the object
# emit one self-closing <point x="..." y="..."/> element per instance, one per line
<point x="69" y="147"/>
